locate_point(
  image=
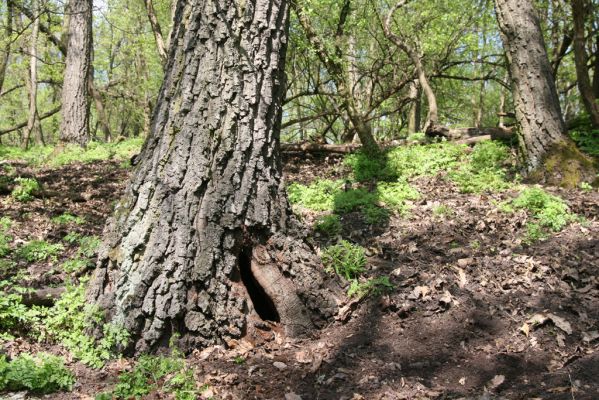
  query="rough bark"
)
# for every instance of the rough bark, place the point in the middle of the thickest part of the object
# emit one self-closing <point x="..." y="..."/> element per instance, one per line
<point x="547" y="153"/>
<point x="74" y="127"/>
<point x="203" y="243"/>
<point x="585" y="86"/>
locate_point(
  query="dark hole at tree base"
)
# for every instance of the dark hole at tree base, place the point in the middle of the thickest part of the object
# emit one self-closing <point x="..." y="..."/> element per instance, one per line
<point x="263" y="304"/>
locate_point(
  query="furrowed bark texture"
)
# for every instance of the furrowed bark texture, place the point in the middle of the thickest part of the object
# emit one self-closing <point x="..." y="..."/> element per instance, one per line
<point x="204" y="242"/>
<point x="548" y="154"/>
<point x="74" y="127"/>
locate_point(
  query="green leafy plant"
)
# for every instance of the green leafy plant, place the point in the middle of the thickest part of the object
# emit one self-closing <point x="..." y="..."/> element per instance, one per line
<point x="88" y="246"/>
<point x="39" y="250"/>
<point x="470" y="180"/>
<point x="366" y="167"/>
<point x="374" y="286"/>
<point x="66" y="218"/>
<point x="409" y="161"/>
<point x="395" y="195"/>
<point x="5" y="238"/>
<point x="329" y="225"/>
<point x="549" y="211"/>
<point x="166" y="374"/>
<point x="488" y="154"/>
<point x="345" y="259"/>
<point x="75" y="265"/>
<point x="42" y="373"/>
<point x="25" y="189"/>
<point x="442" y="210"/>
<point x="68" y="321"/>
<point x="319" y="196"/>
<point x="375" y="215"/>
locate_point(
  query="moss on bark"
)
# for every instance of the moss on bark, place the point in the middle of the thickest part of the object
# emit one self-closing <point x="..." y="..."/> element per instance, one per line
<point x="566" y="166"/>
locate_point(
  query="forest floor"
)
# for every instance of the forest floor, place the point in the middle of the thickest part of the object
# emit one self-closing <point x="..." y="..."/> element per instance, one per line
<point x="474" y="312"/>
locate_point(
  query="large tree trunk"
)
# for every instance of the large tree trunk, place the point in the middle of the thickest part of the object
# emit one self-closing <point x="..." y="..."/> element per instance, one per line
<point x="548" y="155"/>
<point x="74" y="127"/>
<point x="585" y="86"/>
<point x="203" y="244"/>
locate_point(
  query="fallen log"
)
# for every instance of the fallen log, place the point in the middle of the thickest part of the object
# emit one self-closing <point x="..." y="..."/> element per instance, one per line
<point x="42" y="297"/>
<point x="307" y="147"/>
<point x="496" y="133"/>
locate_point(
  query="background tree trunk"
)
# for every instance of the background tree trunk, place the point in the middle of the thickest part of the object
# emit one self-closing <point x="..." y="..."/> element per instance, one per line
<point x="74" y="127"/>
<point x="5" y="53"/>
<point x="414" y="113"/>
<point x="33" y="121"/>
<point x="547" y="153"/>
<point x="585" y="86"/>
<point x="203" y="244"/>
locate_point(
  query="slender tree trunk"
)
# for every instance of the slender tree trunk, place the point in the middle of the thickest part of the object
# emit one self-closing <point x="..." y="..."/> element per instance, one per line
<point x="548" y="154"/>
<point x="414" y="114"/>
<point x="204" y="244"/>
<point x="338" y="73"/>
<point x="74" y="127"/>
<point x="581" y="60"/>
<point x="5" y="53"/>
<point x="157" y="31"/>
<point x="432" y="119"/>
<point x="33" y="122"/>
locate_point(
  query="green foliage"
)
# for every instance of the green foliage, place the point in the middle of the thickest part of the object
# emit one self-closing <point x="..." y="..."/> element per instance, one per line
<point x="95" y="151"/>
<point x="488" y="155"/>
<point x="442" y="210"/>
<point x="5" y="238"/>
<point x="25" y="189"/>
<point x="549" y="211"/>
<point x="409" y="161"/>
<point x="43" y="373"/>
<point x="354" y="199"/>
<point x="375" y="287"/>
<point x="366" y="167"/>
<point x="156" y="373"/>
<point x="325" y="195"/>
<point x="419" y="137"/>
<point x="584" y="135"/>
<point x="66" y="218"/>
<point x="13" y="314"/>
<point x="319" y="196"/>
<point x="375" y="215"/>
<point x="394" y="195"/>
<point x="329" y="225"/>
<point x="88" y="246"/>
<point x="74" y="265"/>
<point x="69" y="319"/>
<point x="484" y="170"/>
<point x="469" y="180"/>
<point x="345" y="259"/>
<point x="39" y="250"/>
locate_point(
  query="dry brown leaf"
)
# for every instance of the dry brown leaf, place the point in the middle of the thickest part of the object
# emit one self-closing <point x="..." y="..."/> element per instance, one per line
<point x="561" y="323"/>
<point x="496" y="381"/>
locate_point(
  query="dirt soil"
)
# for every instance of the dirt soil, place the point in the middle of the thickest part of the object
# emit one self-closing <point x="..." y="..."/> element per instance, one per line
<point x="474" y="314"/>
